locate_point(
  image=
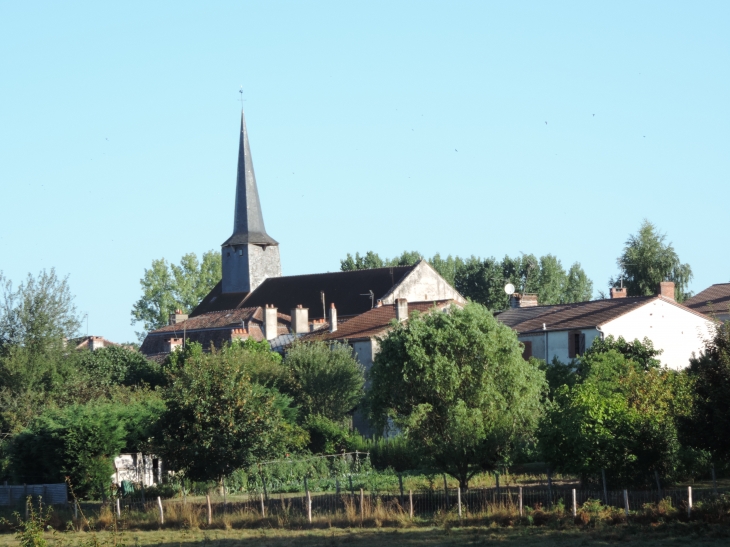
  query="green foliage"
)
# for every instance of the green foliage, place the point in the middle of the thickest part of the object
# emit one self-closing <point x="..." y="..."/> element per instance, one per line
<point x="116" y="365"/>
<point x="326" y="436"/>
<point x="708" y="425"/>
<point x="483" y="280"/>
<point x="328" y="380"/>
<point x="647" y="260"/>
<point x="618" y="417"/>
<point x="168" y="287"/>
<point x="31" y="530"/>
<point x="80" y="441"/>
<point x="640" y="353"/>
<point x="397" y="453"/>
<point x="455" y="383"/>
<point x="218" y="420"/>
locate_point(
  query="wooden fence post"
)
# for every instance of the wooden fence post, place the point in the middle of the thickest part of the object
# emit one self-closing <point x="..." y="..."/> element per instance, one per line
<point x="263" y="507"/>
<point x="458" y="499"/>
<point x="658" y="484"/>
<point x="400" y="483"/>
<point x="575" y="505"/>
<point x="714" y="480"/>
<point x="520" y="500"/>
<point x="352" y="489"/>
<point x="210" y="510"/>
<point x="337" y="485"/>
<point x="309" y="507"/>
<point x="119" y="509"/>
<point x="162" y="514"/>
<point x="410" y="503"/>
<point x="76" y="510"/>
<point x="550" y="489"/>
<point x="362" y="506"/>
<point x="689" y="502"/>
<point x="446" y="491"/>
<point x="605" y="490"/>
<point x="626" y="502"/>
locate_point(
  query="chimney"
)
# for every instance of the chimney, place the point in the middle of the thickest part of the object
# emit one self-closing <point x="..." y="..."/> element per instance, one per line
<point x="172" y="344"/>
<point x="518" y="300"/>
<point x="666" y="289"/>
<point x="401" y="309"/>
<point x="177" y="317"/>
<point x="333" y="317"/>
<point x="618" y="292"/>
<point x="96" y="342"/>
<point x="379" y="303"/>
<point x="300" y="320"/>
<point x="271" y="322"/>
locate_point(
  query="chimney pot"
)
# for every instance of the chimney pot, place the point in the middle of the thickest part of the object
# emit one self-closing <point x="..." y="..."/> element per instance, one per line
<point x="666" y="289"/>
<point x="333" y="317"/>
<point x="379" y="303"/>
<point x="527" y="300"/>
<point x="618" y="292"/>
<point x="300" y="320"/>
<point x="271" y="323"/>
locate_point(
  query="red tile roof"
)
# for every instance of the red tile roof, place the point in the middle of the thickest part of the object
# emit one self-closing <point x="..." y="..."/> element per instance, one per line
<point x="714" y="300"/>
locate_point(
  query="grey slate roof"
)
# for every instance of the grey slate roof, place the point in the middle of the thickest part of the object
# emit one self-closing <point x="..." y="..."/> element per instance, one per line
<point x="248" y="225"/>
<point x="714" y="300"/>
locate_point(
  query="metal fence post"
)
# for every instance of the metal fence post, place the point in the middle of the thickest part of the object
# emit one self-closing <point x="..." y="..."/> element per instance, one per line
<point x="162" y="514"/>
<point x="626" y="502"/>
<point x="410" y="503"/>
<point x="520" y="500"/>
<point x="689" y="502"/>
<point x="458" y="499"/>
<point x="575" y="505"/>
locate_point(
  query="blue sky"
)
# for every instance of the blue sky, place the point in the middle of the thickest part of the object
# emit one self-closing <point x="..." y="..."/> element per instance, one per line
<point x="373" y="125"/>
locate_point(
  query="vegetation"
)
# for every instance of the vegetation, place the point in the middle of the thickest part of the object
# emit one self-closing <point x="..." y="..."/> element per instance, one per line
<point x="483" y="280"/>
<point x="455" y="383"/>
<point x="167" y="287"/>
<point x="648" y="260"/>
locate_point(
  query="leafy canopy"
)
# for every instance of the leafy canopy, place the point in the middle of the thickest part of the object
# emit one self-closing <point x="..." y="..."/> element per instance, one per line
<point x="648" y="260"/>
<point x="169" y="287"/>
<point x="455" y="383"/>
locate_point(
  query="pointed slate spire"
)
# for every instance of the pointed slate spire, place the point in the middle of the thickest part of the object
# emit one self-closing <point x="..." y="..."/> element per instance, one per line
<point x="248" y="225"/>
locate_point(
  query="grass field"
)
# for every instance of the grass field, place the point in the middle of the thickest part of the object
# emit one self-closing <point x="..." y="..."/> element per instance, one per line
<point x="675" y="534"/>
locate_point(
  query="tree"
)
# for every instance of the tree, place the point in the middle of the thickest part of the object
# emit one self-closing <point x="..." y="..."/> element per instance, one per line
<point x="328" y="380"/>
<point x="218" y="420"/>
<point x="708" y="425"/>
<point x="115" y="365"/>
<point x="618" y="417"/>
<point x="640" y="353"/>
<point x="455" y="383"/>
<point x="647" y="260"/>
<point x="169" y="287"/>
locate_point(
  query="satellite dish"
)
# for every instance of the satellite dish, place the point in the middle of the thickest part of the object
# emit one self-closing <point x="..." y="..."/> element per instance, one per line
<point x="509" y="288"/>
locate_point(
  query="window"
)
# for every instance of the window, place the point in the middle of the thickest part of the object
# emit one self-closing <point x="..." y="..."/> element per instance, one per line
<point x="576" y="344"/>
<point x="527" y="352"/>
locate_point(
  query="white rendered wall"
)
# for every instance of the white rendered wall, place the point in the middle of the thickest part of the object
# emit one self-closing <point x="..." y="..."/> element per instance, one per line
<point x="423" y="284"/>
<point x="557" y="342"/>
<point x="671" y="328"/>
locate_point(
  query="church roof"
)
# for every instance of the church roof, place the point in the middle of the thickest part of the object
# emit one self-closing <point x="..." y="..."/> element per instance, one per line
<point x="248" y="224"/>
<point x="349" y="291"/>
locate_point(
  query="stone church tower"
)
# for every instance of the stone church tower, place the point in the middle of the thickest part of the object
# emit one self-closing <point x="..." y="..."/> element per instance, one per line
<point x="250" y="255"/>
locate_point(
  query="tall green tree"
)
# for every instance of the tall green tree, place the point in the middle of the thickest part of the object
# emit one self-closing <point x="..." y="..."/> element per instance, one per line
<point x="217" y="420"/>
<point x="456" y="385"/>
<point x="167" y="287"/>
<point x="647" y="260"/>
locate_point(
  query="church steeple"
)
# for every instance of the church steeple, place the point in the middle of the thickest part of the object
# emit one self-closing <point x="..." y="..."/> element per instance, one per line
<point x="250" y="255"/>
<point x="248" y="223"/>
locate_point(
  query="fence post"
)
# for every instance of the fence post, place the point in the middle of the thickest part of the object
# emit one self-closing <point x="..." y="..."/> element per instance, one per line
<point x="309" y="507"/>
<point x="352" y="489"/>
<point x="458" y="499"/>
<point x="714" y="480"/>
<point x="520" y="500"/>
<point x="263" y="507"/>
<point x="119" y="509"/>
<point x="605" y="490"/>
<point x="337" y="485"/>
<point x="658" y="484"/>
<point x="626" y="502"/>
<point x="496" y="481"/>
<point x="410" y="503"/>
<point x="362" y="506"/>
<point x="210" y="510"/>
<point x="76" y="510"/>
<point x="162" y="515"/>
<point x="689" y="502"/>
<point x="446" y="492"/>
<point x="550" y="489"/>
<point x="575" y="505"/>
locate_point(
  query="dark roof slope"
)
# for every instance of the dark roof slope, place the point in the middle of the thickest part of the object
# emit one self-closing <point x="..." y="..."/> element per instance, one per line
<point x="345" y="289"/>
<point x="713" y="300"/>
<point x="580" y="315"/>
<point x="373" y="322"/>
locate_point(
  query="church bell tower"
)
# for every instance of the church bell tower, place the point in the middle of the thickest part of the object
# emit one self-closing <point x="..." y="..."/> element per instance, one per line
<point x="250" y="255"/>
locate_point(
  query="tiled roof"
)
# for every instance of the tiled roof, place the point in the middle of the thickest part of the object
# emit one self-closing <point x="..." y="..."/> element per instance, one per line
<point x="580" y="315"/>
<point x="83" y="342"/>
<point x="714" y="300"/>
<point x="348" y="290"/>
<point x="373" y="322"/>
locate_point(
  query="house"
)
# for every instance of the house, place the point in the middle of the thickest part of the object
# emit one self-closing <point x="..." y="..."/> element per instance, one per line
<point x="252" y="284"/>
<point x="713" y="301"/>
<point x="565" y="331"/>
<point x="92" y="343"/>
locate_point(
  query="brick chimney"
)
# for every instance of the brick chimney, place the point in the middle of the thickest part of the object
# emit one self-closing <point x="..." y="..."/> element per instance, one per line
<point x="618" y="292"/>
<point x="518" y="300"/>
<point x="333" y="317"/>
<point x="271" y="322"/>
<point x="401" y="309"/>
<point x="96" y="342"/>
<point x="177" y="317"/>
<point x="300" y="320"/>
<point x="171" y="344"/>
<point x="666" y="289"/>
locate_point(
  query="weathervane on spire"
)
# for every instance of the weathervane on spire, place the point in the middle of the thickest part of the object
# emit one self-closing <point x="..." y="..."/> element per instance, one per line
<point x="240" y="91"/>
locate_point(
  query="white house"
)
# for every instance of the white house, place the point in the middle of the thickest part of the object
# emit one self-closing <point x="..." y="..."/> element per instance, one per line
<point x="566" y="330"/>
